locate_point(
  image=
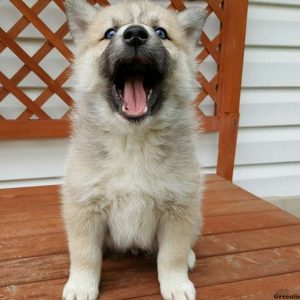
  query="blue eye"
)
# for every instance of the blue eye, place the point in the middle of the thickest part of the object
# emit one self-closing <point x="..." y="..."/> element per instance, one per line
<point x="161" y="33"/>
<point x="110" y="33"/>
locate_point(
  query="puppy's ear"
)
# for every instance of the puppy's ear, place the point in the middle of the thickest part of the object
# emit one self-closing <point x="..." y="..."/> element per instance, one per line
<point x="192" y="20"/>
<point x="79" y="15"/>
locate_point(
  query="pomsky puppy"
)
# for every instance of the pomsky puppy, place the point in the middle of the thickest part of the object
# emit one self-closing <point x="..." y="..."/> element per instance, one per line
<point x="133" y="180"/>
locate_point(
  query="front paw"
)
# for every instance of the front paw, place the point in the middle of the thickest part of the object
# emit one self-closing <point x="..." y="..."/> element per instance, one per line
<point x="177" y="287"/>
<point x="83" y="289"/>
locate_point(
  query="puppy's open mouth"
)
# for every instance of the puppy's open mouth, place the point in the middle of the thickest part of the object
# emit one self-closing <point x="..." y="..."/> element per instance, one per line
<point x="136" y="87"/>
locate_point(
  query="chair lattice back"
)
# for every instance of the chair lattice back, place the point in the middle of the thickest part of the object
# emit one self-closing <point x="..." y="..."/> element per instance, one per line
<point x="223" y="88"/>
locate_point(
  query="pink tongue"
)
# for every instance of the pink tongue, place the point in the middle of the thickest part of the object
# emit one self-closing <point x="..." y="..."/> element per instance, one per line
<point x="134" y="96"/>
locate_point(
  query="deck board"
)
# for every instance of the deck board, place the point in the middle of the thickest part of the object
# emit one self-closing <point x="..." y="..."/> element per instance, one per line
<point x="254" y="289"/>
<point x="249" y="249"/>
<point x="248" y="221"/>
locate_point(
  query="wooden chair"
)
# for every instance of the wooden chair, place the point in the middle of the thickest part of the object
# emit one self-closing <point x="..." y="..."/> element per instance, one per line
<point x="249" y="248"/>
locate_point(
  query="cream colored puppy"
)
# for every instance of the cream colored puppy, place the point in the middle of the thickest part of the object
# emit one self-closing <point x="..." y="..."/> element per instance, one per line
<point x="133" y="180"/>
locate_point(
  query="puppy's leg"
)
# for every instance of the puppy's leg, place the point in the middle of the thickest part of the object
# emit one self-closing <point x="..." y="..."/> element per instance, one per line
<point x="85" y="235"/>
<point x="191" y="260"/>
<point x="175" y="238"/>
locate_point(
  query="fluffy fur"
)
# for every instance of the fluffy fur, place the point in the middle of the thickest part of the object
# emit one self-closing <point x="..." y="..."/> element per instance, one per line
<point x="132" y="185"/>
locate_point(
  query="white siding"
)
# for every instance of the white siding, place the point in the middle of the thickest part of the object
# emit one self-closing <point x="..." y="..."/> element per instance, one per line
<point x="268" y="151"/>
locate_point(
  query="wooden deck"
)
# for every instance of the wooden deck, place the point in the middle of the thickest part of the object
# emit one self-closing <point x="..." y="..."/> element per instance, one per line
<point x="249" y="249"/>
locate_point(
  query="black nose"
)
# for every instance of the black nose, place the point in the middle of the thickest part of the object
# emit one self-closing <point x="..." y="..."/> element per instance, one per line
<point x="135" y="36"/>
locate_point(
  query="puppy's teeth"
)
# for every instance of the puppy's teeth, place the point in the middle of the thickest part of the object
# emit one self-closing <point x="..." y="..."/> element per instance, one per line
<point x="123" y="108"/>
<point x="145" y="110"/>
<point x="149" y="94"/>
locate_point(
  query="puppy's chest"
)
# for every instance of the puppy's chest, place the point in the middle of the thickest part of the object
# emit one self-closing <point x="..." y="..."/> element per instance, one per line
<point x="130" y="187"/>
<point x="132" y="223"/>
<point x="133" y="168"/>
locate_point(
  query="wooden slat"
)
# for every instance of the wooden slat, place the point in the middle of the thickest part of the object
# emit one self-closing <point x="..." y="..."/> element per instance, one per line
<point x="37" y="57"/>
<point x="215" y="43"/>
<point x="41" y="268"/>
<point x="31" y="64"/>
<point x="203" y="93"/>
<point x="27" y="202"/>
<point x="23" y="22"/>
<point x="213" y="177"/>
<point x="37" y="226"/>
<point x="19" y="94"/>
<point x="41" y="26"/>
<point x="120" y="280"/>
<point x="52" y="189"/>
<point x="227" y="196"/>
<point x="210" y="245"/>
<point x="227" y="144"/>
<point x="232" y="52"/>
<point x="46" y="94"/>
<point x="49" y="206"/>
<point x="248" y="265"/>
<point x="208" y="87"/>
<point x="215" y="6"/>
<point x="34" y="129"/>
<point x="33" y="269"/>
<point x="220" y="186"/>
<point x="50" y="289"/>
<point x="27" y="212"/>
<point x="212" y="225"/>
<point x="208" y="271"/>
<point x="210" y="46"/>
<point x="28" y="191"/>
<point x="236" y="242"/>
<point x="27" y="246"/>
<point x="248" y="221"/>
<point x="208" y="123"/>
<point x="225" y="214"/>
<point x="254" y="289"/>
<point x="60" y="4"/>
<point x="236" y="207"/>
